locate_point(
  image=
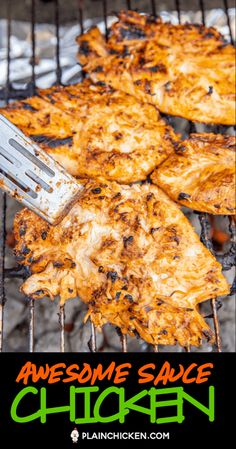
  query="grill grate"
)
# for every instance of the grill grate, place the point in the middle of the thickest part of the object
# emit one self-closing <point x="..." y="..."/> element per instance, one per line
<point x="10" y="92"/>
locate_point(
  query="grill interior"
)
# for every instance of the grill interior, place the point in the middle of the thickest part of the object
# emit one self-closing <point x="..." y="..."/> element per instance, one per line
<point x="11" y="92"/>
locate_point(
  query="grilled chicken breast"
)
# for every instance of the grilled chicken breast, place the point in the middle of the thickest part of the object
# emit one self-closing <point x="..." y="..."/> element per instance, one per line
<point x="185" y="70"/>
<point x="201" y="174"/>
<point x="94" y="131"/>
<point x="131" y="255"/>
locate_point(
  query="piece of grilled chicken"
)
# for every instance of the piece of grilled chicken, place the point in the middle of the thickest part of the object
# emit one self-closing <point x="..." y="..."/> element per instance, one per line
<point x="94" y="131"/>
<point x="201" y="174"/>
<point x="131" y="255"/>
<point x="185" y="70"/>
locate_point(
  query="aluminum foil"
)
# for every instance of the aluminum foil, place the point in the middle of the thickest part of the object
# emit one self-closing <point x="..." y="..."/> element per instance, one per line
<point x="45" y="38"/>
<point x="47" y="334"/>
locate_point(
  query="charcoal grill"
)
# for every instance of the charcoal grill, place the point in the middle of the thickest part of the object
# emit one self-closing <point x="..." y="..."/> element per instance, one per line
<point x="9" y="92"/>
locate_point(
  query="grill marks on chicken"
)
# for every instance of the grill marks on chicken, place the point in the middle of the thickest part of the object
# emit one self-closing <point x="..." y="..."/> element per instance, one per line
<point x="201" y="174"/>
<point x="185" y="70"/>
<point x="131" y="255"/>
<point x="94" y="131"/>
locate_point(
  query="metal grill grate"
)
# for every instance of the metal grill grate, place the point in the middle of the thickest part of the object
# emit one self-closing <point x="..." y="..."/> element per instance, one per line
<point x="9" y="92"/>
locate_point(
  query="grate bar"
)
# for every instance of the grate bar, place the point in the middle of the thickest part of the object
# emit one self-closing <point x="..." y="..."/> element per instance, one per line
<point x="153" y="8"/>
<point x="192" y="128"/>
<point x="31" y="87"/>
<point x="58" y="68"/>
<point x="104" y="7"/>
<point x="8" y="83"/>
<point x="92" y="343"/>
<point x="123" y="339"/>
<point x="2" y="263"/>
<point x="201" y="6"/>
<point x="31" y="324"/>
<point x="177" y="5"/>
<point x="62" y="327"/>
<point x="81" y="20"/>
<point x="216" y="325"/>
<point x="226" y="8"/>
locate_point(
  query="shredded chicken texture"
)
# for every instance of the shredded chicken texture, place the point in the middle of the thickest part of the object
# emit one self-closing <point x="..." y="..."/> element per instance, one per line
<point x="201" y="174"/>
<point x="94" y="131"/>
<point x="131" y="255"/>
<point x="185" y="70"/>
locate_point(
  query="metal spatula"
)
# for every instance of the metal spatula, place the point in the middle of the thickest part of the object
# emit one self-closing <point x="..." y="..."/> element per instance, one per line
<point x="32" y="177"/>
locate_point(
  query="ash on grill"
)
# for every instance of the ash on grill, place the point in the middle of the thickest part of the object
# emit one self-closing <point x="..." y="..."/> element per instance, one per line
<point x="38" y="55"/>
